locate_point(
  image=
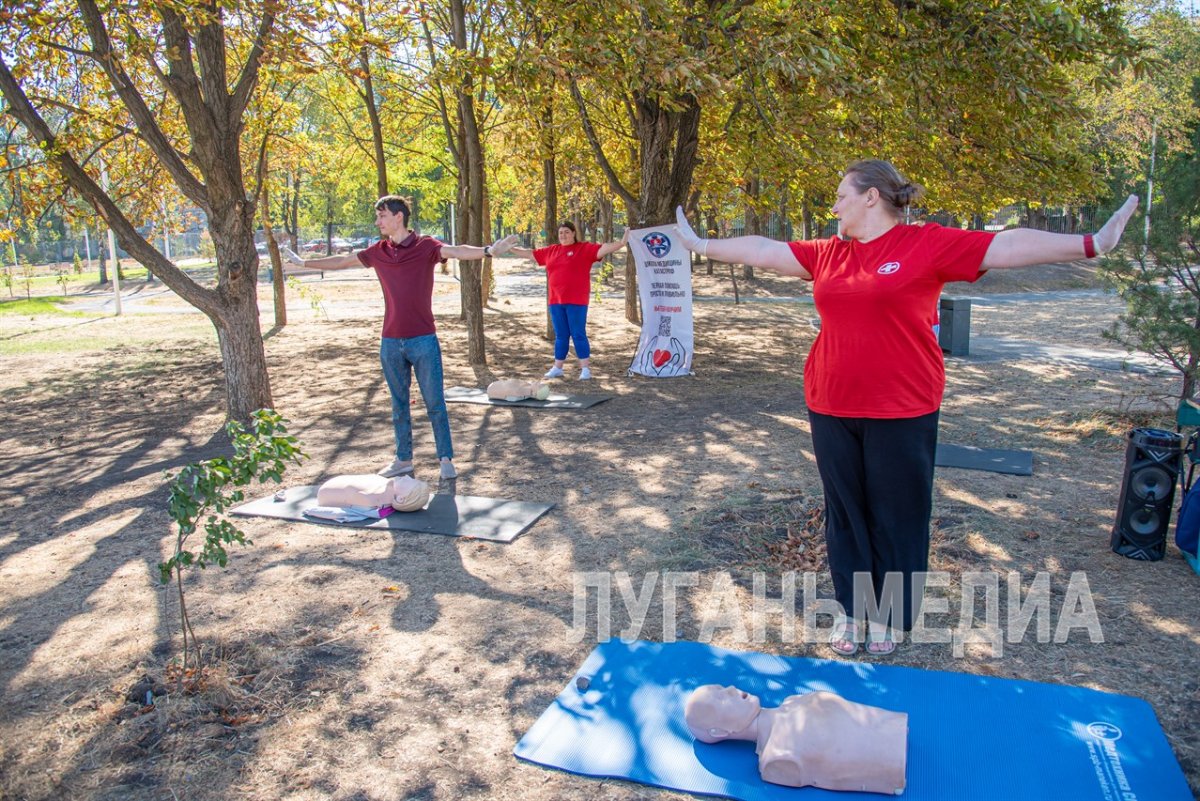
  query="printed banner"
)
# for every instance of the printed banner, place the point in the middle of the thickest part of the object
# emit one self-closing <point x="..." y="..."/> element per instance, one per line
<point x="664" y="275"/>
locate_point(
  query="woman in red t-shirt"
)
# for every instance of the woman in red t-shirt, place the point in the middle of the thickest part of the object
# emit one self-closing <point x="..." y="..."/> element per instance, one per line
<point x="569" y="280"/>
<point x="874" y="378"/>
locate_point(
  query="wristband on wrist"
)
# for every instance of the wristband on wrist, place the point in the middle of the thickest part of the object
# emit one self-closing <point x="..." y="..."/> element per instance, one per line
<point x="487" y="250"/>
<point x="704" y="248"/>
<point x="1089" y="247"/>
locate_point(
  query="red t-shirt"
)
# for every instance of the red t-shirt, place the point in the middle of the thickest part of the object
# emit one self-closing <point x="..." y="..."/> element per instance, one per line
<point x="877" y="355"/>
<point x="568" y="271"/>
<point x="405" y="272"/>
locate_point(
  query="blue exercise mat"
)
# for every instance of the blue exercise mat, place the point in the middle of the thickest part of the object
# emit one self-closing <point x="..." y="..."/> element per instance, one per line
<point x="970" y="737"/>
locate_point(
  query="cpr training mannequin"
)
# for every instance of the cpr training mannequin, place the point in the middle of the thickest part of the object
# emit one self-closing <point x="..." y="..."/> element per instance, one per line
<point x="512" y="389"/>
<point x="818" y="739"/>
<point x="402" y="493"/>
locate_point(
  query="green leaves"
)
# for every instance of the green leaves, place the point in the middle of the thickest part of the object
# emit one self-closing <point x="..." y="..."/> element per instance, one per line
<point x="204" y="490"/>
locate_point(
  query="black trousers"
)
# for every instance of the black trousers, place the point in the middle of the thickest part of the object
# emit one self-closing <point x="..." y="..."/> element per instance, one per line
<point x="878" y="481"/>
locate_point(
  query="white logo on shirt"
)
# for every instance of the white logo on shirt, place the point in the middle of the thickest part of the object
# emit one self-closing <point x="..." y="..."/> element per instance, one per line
<point x="889" y="268"/>
<point x="570" y="253"/>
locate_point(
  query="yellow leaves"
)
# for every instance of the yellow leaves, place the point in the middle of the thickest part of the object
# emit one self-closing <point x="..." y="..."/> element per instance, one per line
<point x="7" y="235"/>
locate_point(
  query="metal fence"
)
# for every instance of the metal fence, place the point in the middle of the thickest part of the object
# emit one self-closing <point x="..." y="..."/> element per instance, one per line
<point x="59" y="254"/>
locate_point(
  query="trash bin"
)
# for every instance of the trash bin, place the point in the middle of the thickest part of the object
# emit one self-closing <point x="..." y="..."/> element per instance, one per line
<point x="954" y="326"/>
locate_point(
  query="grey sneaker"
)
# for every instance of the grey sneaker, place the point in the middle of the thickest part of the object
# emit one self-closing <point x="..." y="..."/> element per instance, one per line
<point x="554" y="372"/>
<point x="397" y="468"/>
<point x="448" y="470"/>
<point x="585" y="374"/>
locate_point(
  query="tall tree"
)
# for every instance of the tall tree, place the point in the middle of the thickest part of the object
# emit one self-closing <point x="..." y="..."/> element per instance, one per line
<point x="455" y="40"/>
<point x="650" y="67"/>
<point x="1161" y="284"/>
<point x="358" y="41"/>
<point x="186" y="105"/>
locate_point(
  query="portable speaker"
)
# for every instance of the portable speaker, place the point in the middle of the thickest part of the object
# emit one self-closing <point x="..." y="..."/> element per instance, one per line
<point x="1152" y="460"/>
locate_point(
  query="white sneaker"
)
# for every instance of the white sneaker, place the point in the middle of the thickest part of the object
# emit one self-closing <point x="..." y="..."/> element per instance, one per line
<point x="554" y="372"/>
<point x="448" y="470"/>
<point x="397" y="468"/>
<point x="585" y="374"/>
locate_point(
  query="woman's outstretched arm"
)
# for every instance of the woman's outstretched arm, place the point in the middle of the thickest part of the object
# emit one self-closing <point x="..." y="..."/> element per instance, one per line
<point x="757" y="251"/>
<point x="1022" y="247"/>
<point x="614" y="246"/>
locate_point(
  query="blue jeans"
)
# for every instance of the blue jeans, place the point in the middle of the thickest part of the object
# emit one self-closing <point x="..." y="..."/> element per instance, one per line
<point x="570" y="322"/>
<point x="400" y="357"/>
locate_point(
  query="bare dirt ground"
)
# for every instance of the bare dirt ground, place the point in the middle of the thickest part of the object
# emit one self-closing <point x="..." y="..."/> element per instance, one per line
<point x="356" y="665"/>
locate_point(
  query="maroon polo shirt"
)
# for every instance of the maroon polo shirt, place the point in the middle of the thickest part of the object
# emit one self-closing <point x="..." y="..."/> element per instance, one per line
<point x="405" y="272"/>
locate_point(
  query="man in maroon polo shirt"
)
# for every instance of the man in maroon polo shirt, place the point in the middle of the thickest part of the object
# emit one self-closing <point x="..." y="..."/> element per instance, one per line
<point x="404" y="262"/>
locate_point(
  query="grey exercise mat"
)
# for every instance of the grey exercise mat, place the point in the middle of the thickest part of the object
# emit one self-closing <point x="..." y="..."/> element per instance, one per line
<point x="454" y="515"/>
<point x="1015" y="463"/>
<point x="555" y="401"/>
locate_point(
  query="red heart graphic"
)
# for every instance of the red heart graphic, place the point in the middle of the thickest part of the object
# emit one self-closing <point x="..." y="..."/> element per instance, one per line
<point x="661" y="357"/>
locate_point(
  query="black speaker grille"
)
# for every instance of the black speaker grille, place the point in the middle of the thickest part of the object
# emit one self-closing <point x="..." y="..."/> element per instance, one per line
<point x="1152" y="462"/>
<point x="1151" y="483"/>
<point x="1145" y="522"/>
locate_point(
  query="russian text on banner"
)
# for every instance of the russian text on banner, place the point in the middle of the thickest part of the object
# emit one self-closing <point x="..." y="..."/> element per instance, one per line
<point x="664" y="276"/>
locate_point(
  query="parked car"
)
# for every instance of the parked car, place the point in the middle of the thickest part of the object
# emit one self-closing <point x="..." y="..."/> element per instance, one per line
<point x="314" y="246"/>
<point x="340" y="245"/>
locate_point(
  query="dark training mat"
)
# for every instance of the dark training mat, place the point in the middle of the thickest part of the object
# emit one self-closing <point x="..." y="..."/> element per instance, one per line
<point x="555" y="401"/>
<point x="452" y="515"/>
<point x="1015" y="463"/>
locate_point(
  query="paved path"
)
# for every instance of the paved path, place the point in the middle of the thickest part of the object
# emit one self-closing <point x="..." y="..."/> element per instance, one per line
<point x="999" y="349"/>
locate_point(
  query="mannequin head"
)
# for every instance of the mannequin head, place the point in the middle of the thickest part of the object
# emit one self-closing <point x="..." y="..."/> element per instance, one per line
<point x="409" y="494"/>
<point x="713" y="712"/>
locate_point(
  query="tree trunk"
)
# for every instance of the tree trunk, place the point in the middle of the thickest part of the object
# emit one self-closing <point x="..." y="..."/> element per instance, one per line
<point x="667" y="144"/>
<point x="752" y="218"/>
<point x="292" y="213"/>
<point x="668" y="141"/>
<point x="606" y="218"/>
<point x="550" y="185"/>
<point x="247" y="383"/>
<point x="235" y="315"/>
<point x="488" y="277"/>
<point x="785" y="223"/>
<point x="471" y="195"/>
<point x="368" y="97"/>
<point x="277" y="285"/>
<point x="632" y="310"/>
<point x="709" y="231"/>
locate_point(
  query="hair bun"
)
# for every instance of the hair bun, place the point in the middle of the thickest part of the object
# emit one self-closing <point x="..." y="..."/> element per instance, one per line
<point x="907" y="193"/>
